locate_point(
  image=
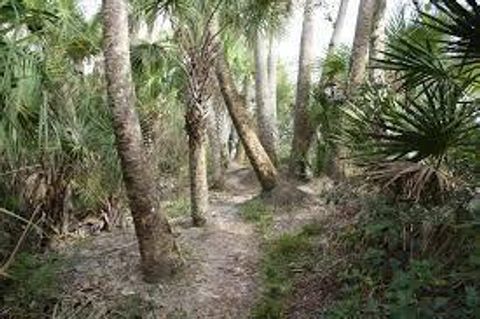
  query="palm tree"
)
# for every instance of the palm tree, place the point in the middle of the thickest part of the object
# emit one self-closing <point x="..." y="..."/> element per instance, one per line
<point x="361" y="42"/>
<point x="410" y="138"/>
<point x="303" y="130"/>
<point x="158" y="250"/>
<point x="253" y="14"/>
<point x="199" y="57"/>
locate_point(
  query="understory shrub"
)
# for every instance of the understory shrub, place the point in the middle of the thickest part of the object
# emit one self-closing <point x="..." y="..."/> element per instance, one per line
<point x="410" y="261"/>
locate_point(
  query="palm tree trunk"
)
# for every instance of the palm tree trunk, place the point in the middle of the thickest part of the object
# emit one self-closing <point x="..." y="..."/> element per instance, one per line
<point x="272" y="86"/>
<point x="265" y="111"/>
<point x="377" y="40"/>
<point x="261" y="163"/>
<point x="159" y="253"/>
<point x="359" y="59"/>
<point x="338" y="25"/>
<point x="196" y="130"/>
<point x="303" y="130"/>
<point x="216" y="146"/>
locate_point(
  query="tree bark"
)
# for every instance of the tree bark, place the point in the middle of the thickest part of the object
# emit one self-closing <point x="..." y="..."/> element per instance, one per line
<point x="248" y="98"/>
<point x="196" y="129"/>
<point x="272" y="86"/>
<point x="217" y="148"/>
<point x="261" y="163"/>
<point x="377" y="40"/>
<point x="303" y="130"/>
<point x="338" y="26"/>
<point x="265" y="111"/>
<point x="159" y="253"/>
<point x="359" y="59"/>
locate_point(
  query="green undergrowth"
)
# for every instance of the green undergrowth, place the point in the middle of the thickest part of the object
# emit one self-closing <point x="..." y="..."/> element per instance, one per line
<point x="259" y="213"/>
<point x="32" y="287"/>
<point x="178" y="207"/>
<point x="285" y="257"/>
<point x="410" y="261"/>
<point x="393" y="260"/>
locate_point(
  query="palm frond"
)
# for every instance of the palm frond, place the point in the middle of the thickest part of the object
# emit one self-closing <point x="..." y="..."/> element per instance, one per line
<point x="460" y="20"/>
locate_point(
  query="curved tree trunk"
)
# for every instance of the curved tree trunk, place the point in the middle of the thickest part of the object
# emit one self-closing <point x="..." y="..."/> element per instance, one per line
<point x="359" y="59"/>
<point x="265" y="111"/>
<point x="261" y="163"/>
<point x="159" y="254"/>
<point x="303" y="130"/>
<point x="248" y="98"/>
<point x="377" y="40"/>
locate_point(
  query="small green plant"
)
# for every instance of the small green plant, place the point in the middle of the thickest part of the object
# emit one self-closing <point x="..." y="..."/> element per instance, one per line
<point x="178" y="207"/>
<point x="285" y="256"/>
<point x="32" y="288"/>
<point x="256" y="211"/>
<point x="408" y="261"/>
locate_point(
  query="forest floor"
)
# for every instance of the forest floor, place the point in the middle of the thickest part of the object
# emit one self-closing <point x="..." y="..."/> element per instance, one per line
<point x="221" y="277"/>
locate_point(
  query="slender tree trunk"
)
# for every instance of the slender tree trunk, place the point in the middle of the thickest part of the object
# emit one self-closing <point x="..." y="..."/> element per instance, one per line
<point x="359" y="59"/>
<point x="196" y="129"/>
<point x="272" y="86"/>
<point x="303" y="130"/>
<point x="338" y="26"/>
<point x="377" y="40"/>
<point x="159" y="253"/>
<point x="217" y="158"/>
<point x="261" y="163"/>
<point x="265" y="111"/>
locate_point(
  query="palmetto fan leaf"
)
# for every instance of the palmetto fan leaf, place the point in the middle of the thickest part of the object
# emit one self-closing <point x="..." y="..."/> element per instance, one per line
<point x="413" y="129"/>
<point x="406" y="143"/>
<point x="460" y="20"/>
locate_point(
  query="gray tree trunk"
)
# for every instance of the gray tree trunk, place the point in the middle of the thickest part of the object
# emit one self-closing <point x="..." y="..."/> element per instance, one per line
<point x="217" y="147"/>
<point x="303" y="130"/>
<point x="198" y="174"/>
<point x="377" y="40"/>
<point x="360" y="49"/>
<point x="272" y="87"/>
<point x="338" y="25"/>
<point x="265" y="111"/>
<point x="159" y="253"/>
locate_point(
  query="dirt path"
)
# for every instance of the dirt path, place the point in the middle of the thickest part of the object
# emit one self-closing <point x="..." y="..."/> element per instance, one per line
<point x="220" y="279"/>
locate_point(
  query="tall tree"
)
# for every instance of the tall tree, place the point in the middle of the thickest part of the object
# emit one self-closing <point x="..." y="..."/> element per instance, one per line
<point x="332" y="165"/>
<point x="272" y="80"/>
<point x="265" y="107"/>
<point x="261" y="163"/>
<point x="303" y="130"/>
<point x="377" y="40"/>
<point x="159" y="253"/>
<point x="360" y="49"/>
<point x="198" y="49"/>
<point x="338" y="25"/>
